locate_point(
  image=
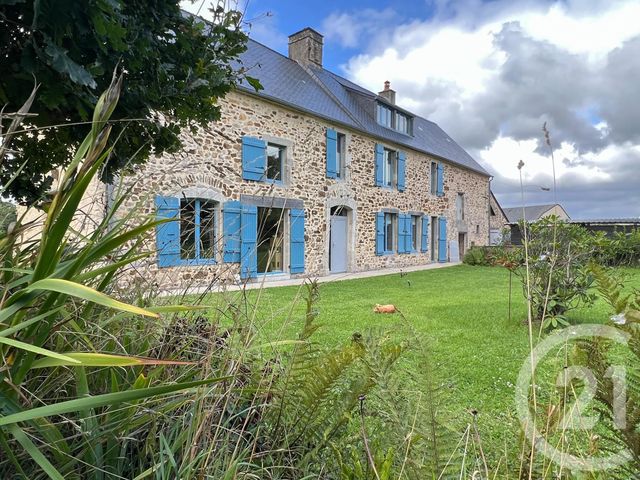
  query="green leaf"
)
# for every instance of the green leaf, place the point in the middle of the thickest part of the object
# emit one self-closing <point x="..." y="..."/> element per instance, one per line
<point x="91" y="359"/>
<point x="255" y="83"/>
<point x="37" y="350"/>
<point x="61" y="62"/>
<point x="80" y="291"/>
<point x="102" y="400"/>
<point x="16" y="328"/>
<point x="35" y="453"/>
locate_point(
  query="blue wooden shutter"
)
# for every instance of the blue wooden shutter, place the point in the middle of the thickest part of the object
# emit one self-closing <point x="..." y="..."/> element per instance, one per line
<point x="297" y="240"/>
<point x="231" y="225"/>
<point x="168" y="233"/>
<point x="380" y="233"/>
<point x="425" y="234"/>
<point x="442" y="240"/>
<point x="248" y="241"/>
<point x="379" y="165"/>
<point x="401" y="171"/>
<point x="402" y="240"/>
<point x="332" y="150"/>
<point x="440" y="190"/>
<point x="254" y="159"/>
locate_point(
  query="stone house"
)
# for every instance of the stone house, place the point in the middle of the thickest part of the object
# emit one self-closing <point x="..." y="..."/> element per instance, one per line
<point x="310" y="176"/>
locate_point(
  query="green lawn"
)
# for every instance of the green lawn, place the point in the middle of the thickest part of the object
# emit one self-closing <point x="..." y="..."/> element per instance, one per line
<point x="460" y="312"/>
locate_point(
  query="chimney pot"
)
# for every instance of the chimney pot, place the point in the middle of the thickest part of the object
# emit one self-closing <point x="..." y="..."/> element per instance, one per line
<point x="388" y="94"/>
<point x="305" y="47"/>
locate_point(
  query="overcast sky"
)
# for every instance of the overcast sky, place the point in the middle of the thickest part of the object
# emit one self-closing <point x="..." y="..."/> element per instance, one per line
<point x="490" y="74"/>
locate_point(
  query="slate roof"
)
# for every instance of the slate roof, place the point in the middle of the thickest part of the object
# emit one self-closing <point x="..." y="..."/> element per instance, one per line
<point x="532" y="212"/>
<point x="617" y="221"/>
<point x="327" y="95"/>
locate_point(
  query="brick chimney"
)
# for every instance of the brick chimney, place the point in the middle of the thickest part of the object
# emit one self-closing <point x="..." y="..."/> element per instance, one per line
<point x="387" y="93"/>
<point x="305" y="47"/>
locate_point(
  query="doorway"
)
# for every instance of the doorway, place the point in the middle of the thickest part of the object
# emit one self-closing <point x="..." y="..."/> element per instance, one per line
<point x="338" y="240"/>
<point x="271" y="234"/>
<point x="462" y="237"/>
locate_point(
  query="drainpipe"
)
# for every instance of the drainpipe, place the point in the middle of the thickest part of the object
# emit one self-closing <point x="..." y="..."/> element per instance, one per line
<point x="489" y="213"/>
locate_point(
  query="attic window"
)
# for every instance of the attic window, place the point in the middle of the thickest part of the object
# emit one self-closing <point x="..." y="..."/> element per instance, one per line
<point x="394" y="119"/>
<point x="385" y="116"/>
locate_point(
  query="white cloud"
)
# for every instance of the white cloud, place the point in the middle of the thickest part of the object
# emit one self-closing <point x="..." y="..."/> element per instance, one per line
<point x="491" y="73"/>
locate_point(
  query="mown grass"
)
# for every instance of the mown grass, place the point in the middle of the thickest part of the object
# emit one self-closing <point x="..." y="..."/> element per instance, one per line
<point x="461" y="316"/>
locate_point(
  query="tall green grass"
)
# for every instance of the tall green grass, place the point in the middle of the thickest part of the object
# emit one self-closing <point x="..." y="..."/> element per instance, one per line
<point x="93" y="387"/>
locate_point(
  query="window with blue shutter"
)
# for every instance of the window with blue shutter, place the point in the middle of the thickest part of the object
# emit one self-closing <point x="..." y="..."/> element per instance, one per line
<point x="379" y="158"/>
<point x="404" y="238"/>
<point x="332" y="153"/>
<point x="425" y="234"/>
<point x="380" y="233"/>
<point x="254" y="159"/>
<point x="440" y="190"/>
<point x="414" y="233"/>
<point x="168" y="233"/>
<point x="297" y="240"/>
<point x="401" y="171"/>
<point x="231" y="227"/>
<point x="442" y="239"/>
<point x="248" y="241"/>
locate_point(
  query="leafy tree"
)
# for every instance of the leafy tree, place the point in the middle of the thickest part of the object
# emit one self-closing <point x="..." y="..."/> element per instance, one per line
<point x="7" y="216"/>
<point x="175" y="67"/>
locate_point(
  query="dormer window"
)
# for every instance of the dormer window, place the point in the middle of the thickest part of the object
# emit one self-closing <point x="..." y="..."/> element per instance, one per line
<point x="385" y="116"/>
<point x="394" y="119"/>
<point x="403" y="123"/>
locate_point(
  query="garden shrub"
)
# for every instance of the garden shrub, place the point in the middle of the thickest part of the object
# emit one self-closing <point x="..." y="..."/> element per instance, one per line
<point x="557" y="255"/>
<point x="620" y="249"/>
<point x="476" y="256"/>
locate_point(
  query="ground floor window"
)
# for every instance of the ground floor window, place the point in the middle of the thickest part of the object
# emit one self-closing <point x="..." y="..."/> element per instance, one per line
<point x="435" y="234"/>
<point x="197" y="229"/>
<point x="271" y="234"/>
<point x="390" y="229"/>
<point x="415" y="233"/>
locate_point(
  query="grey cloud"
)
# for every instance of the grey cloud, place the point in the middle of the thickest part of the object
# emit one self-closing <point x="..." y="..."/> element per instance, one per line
<point x="538" y="82"/>
<point x="616" y="196"/>
<point x="619" y="92"/>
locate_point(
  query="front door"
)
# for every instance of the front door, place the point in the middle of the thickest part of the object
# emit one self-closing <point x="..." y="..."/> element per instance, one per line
<point x="338" y="244"/>
<point x="461" y="244"/>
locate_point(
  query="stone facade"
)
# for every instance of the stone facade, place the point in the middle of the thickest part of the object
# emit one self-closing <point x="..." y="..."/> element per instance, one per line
<point x="498" y="219"/>
<point x="210" y="166"/>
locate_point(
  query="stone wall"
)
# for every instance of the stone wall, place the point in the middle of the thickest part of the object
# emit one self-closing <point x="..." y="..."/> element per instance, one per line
<point x="497" y="221"/>
<point x="211" y="162"/>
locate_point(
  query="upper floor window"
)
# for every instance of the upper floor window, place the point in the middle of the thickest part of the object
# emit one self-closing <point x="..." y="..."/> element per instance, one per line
<point x="434" y="177"/>
<point x="390" y="173"/>
<point x="275" y="162"/>
<point x="197" y="229"/>
<point x="341" y="155"/>
<point x="403" y="123"/>
<point x="385" y="116"/>
<point x="460" y="207"/>
<point x="392" y="118"/>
